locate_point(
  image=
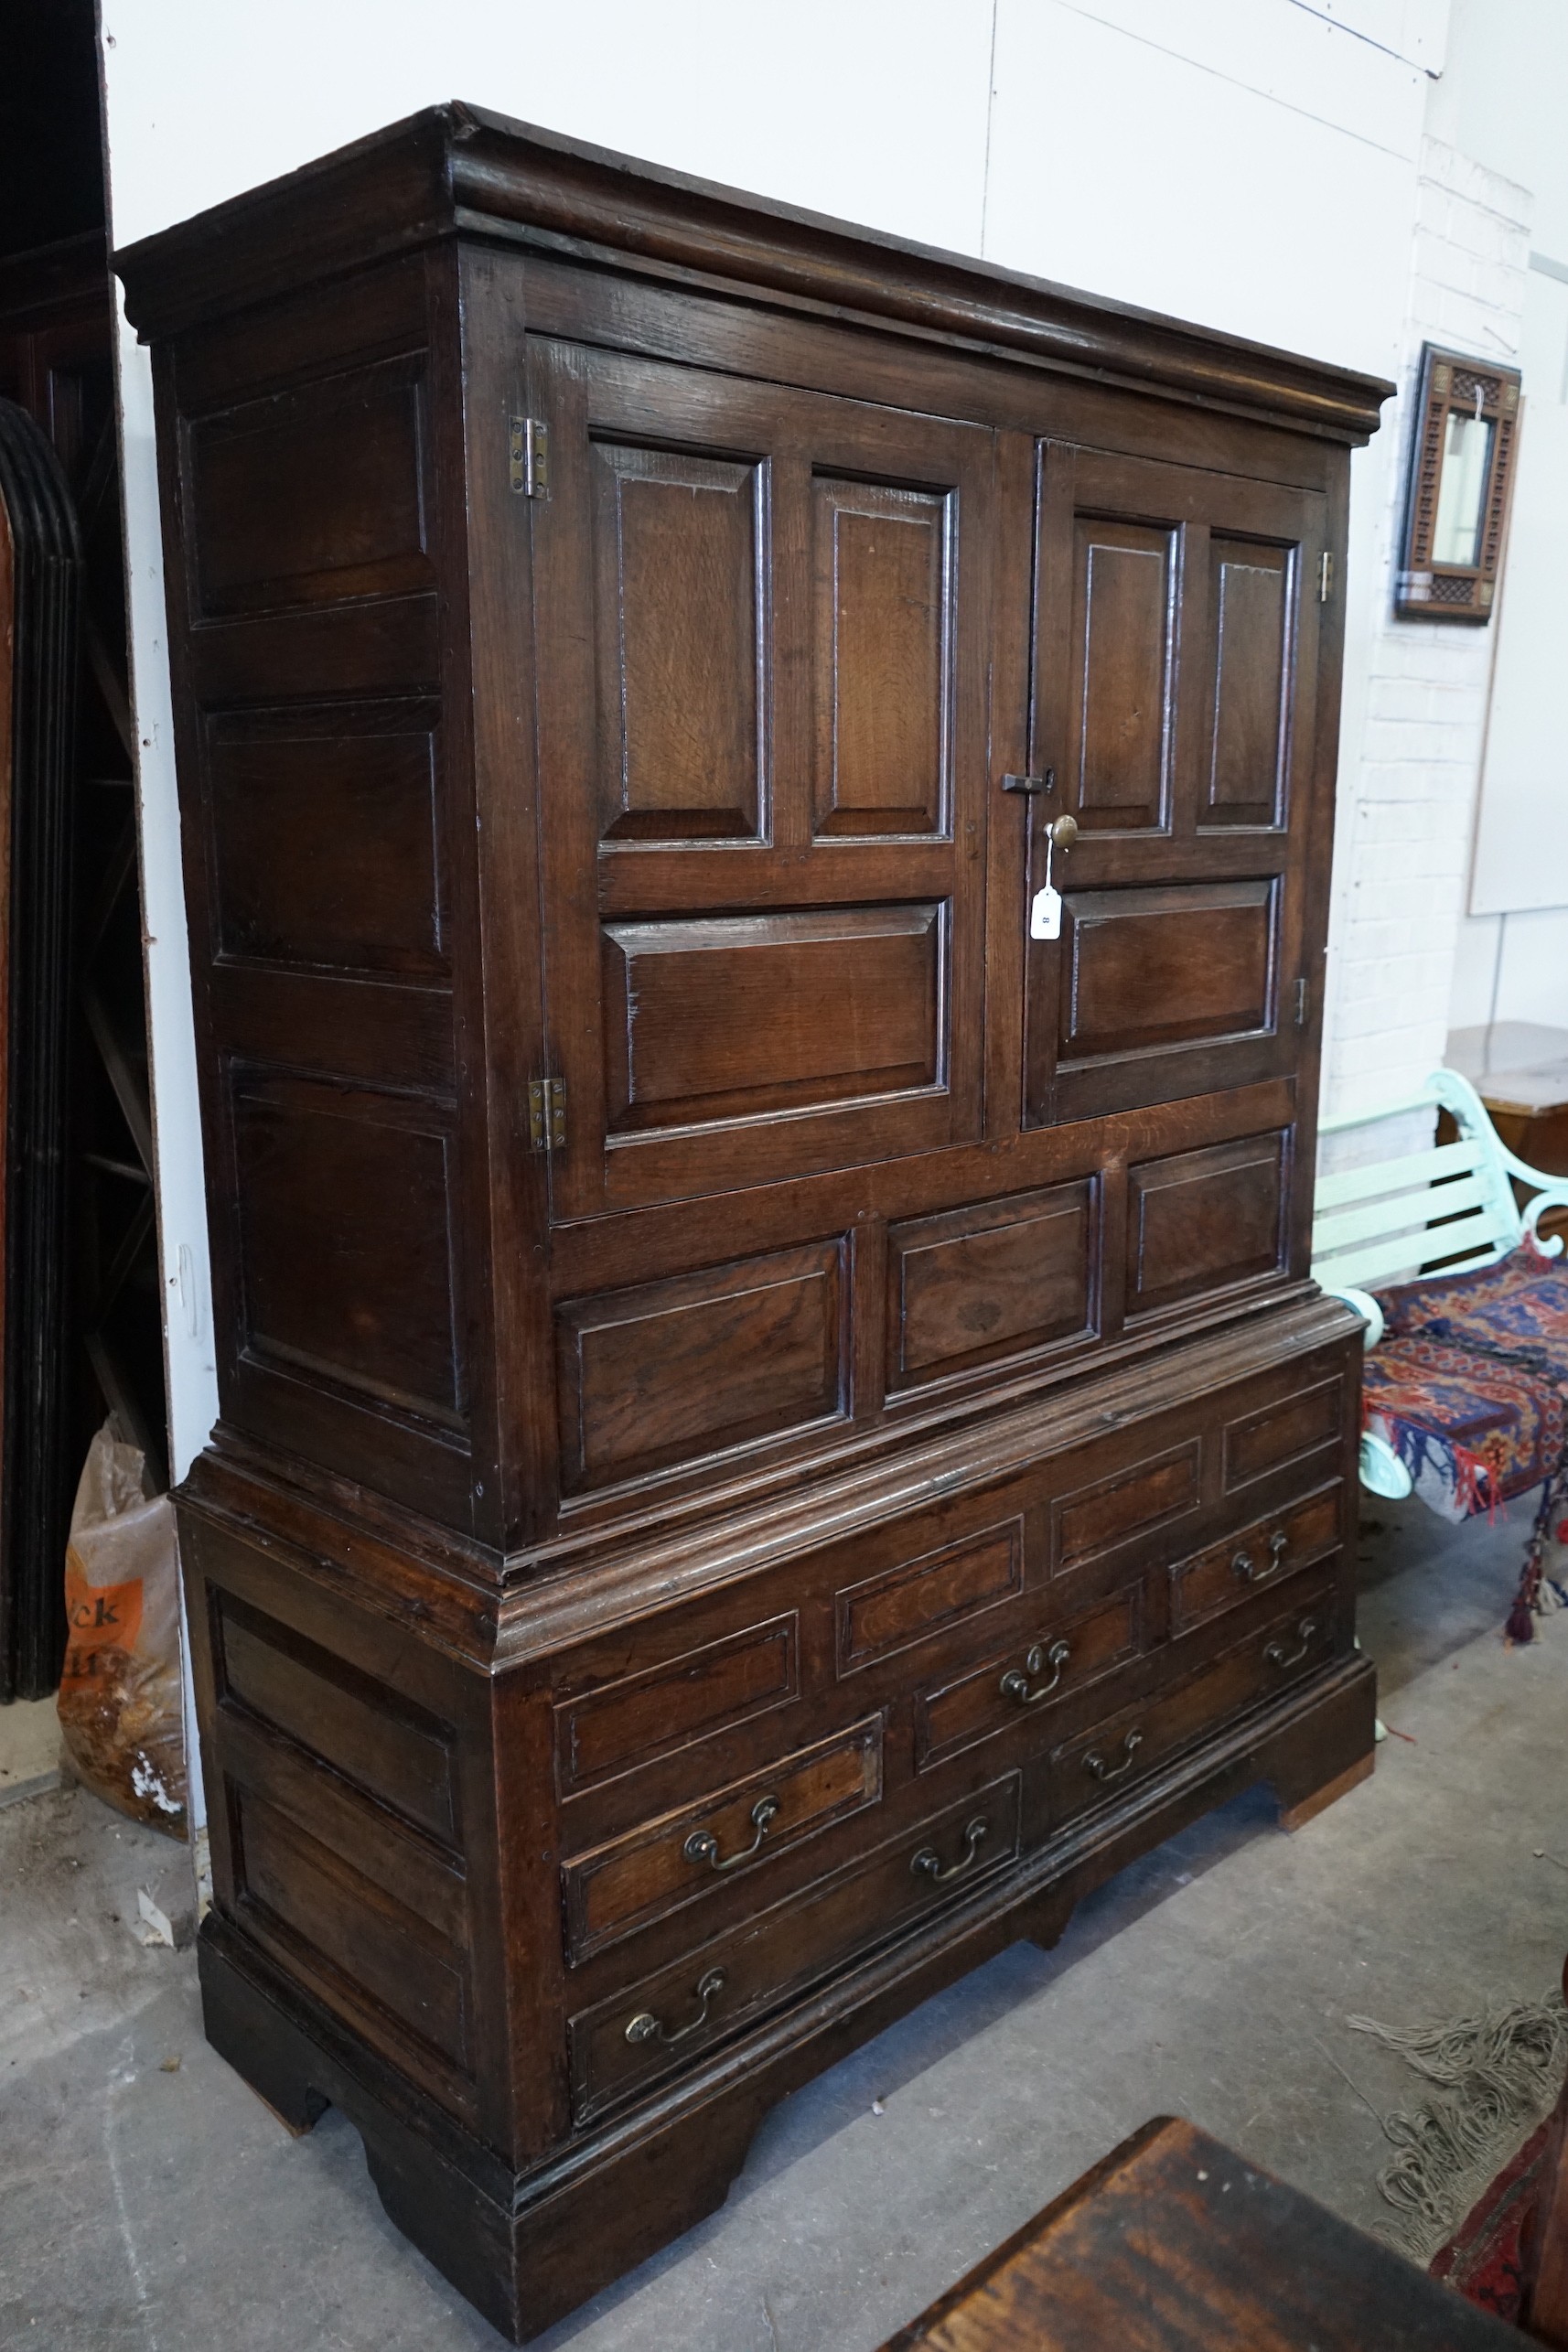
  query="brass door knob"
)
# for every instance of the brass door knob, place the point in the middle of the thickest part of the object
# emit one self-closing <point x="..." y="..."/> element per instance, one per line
<point x="1064" y="831"/>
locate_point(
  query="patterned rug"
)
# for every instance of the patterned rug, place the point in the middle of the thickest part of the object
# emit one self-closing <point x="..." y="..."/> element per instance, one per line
<point x="1470" y="1389"/>
<point x="1475" y="2145"/>
<point x="1482" y="2259"/>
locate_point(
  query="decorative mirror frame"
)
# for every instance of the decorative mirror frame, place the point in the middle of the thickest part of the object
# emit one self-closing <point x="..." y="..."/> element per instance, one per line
<point x="1454" y="383"/>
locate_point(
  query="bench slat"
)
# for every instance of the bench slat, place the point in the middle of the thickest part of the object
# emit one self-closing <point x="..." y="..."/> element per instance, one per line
<point x="1411" y="1213"/>
<point x="1405" y="1255"/>
<point x="1463" y="1159"/>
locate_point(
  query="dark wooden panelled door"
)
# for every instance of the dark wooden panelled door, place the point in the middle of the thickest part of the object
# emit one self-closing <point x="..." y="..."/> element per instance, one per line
<point x="762" y="619"/>
<point x="1175" y="678"/>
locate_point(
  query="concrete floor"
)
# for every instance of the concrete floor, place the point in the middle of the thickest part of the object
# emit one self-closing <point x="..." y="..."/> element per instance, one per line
<point x="149" y="2203"/>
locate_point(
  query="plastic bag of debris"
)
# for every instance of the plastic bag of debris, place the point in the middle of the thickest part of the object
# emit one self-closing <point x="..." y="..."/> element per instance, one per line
<point x="120" y="1694"/>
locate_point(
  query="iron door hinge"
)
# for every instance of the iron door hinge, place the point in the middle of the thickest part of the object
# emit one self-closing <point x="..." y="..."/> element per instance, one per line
<point x="530" y="455"/>
<point x="546" y="1115"/>
<point x="1303" y="998"/>
<point x="1325" y="577"/>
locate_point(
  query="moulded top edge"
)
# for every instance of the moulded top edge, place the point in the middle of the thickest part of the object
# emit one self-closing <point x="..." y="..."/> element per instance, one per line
<point x="407" y="185"/>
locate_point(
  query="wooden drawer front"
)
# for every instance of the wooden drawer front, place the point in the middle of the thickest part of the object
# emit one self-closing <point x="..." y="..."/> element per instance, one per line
<point x="621" y="1887"/>
<point x="1094" y="1521"/>
<point x="679" y="2015"/>
<point x="921" y="1597"/>
<point x="1030" y="1678"/>
<point x="1267" y="1551"/>
<point x="1263" y="1441"/>
<point x="1096" y="1766"/>
<point x="639" y="1716"/>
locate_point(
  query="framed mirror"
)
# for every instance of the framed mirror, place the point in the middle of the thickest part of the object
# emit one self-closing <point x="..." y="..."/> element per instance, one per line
<point x="1461" y="472"/>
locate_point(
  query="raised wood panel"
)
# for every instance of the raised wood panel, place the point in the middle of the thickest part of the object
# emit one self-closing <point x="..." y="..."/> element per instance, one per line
<point x="324" y="837"/>
<point x="376" y="1947"/>
<point x="681" y="577"/>
<point x="883" y="656"/>
<point x="665" y="1864"/>
<point x="996" y="1280"/>
<point x="1163" y="967"/>
<point x="634" y="1718"/>
<point x="719" y="1016"/>
<point x="658" y="1374"/>
<point x="761" y="983"/>
<point x="364" y="1731"/>
<point x="1205" y="1221"/>
<point x="885" y="1614"/>
<point x="1257" y="1442"/>
<point x="311" y="495"/>
<point x="1125" y="622"/>
<point x="423" y="1877"/>
<point x="1249" y="608"/>
<point x="345" y="1240"/>
<point x="1091" y="1522"/>
<point x="372" y="647"/>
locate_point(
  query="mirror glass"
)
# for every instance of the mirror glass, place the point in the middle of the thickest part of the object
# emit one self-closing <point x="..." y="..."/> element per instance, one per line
<point x="1466" y="462"/>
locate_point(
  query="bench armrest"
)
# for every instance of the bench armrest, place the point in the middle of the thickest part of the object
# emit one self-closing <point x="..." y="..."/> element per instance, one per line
<point x="1363" y="1304"/>
<point x="1382" y="1472"/>
<point x="1553" y="1193"/>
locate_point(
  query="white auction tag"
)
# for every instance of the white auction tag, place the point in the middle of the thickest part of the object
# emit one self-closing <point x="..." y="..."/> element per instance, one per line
<point x="1046" y="915"/>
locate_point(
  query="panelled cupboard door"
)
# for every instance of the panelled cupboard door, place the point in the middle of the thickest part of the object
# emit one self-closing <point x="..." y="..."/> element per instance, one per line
<point x="1174" y="698"/>
<point x="761" y="623"/>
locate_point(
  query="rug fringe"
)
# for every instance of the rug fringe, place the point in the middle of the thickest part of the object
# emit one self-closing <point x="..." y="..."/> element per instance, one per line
<point x="1502" y="2070"/>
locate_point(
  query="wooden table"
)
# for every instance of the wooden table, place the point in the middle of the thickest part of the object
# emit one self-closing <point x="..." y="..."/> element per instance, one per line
<point x="1175" y="2244"/>
<point x="1519" y="1069"/>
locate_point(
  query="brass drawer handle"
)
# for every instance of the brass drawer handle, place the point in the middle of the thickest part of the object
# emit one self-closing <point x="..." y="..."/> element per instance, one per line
<point x="647" y="2028"/>
<point x="1246" y="1567"/>
<point x="702" y="1846"/>
<point x="928" y="1863"/>
<point x="1278" y="1655"/>
<point x="1094" y="1762"/>
<point x="1016" y="1685"/>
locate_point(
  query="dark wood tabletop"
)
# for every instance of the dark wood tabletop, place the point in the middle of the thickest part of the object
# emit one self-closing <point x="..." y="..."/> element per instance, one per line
<point x="1175" y="2241"/>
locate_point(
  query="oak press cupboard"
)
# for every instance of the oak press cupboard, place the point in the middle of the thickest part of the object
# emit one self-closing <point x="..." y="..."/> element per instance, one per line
<point x="757" y="806"/>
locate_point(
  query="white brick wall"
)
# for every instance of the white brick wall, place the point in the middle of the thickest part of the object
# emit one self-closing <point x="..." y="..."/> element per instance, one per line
<point x="1407" y="792"/>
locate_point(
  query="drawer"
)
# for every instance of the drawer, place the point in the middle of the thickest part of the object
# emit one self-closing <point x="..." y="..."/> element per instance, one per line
<point x="1265" y="1551"/>
<point x="730" y="1834"/>
<point x="1271" y="1437"/>
<point x="623" y="1724"/>
<point x="1097" y="1765"/>
<point x="677" y="2016"/>
<point x="1029" y="1678"/>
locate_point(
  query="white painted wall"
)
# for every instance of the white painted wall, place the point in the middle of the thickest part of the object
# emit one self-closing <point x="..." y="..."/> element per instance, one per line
<point x="1503" y="104"/>
<point x="1408" y="781"/>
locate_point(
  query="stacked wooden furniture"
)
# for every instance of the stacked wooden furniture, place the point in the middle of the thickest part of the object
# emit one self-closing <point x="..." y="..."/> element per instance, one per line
<point x="775" y="1428"/>
<point x="1174" y="2243"/>
<point x="40" y="586"/>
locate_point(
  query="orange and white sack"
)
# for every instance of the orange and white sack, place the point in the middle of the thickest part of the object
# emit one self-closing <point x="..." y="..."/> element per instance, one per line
<point x="120" y="1692"/>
